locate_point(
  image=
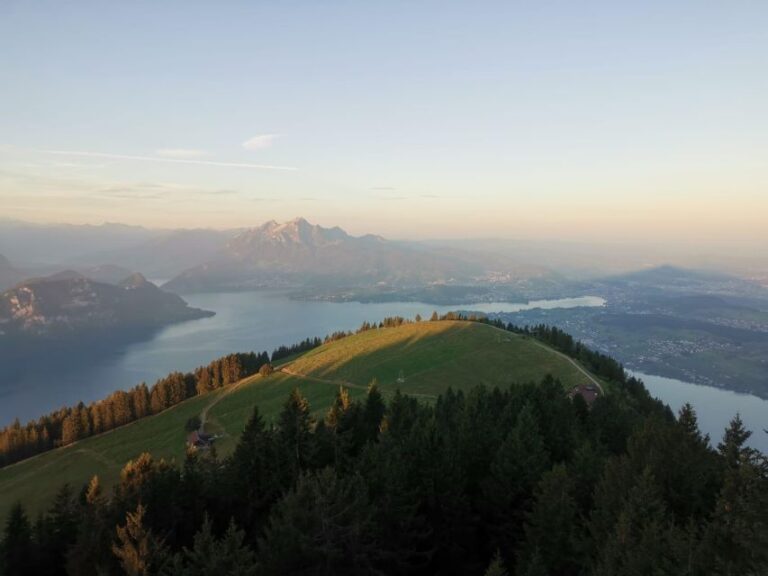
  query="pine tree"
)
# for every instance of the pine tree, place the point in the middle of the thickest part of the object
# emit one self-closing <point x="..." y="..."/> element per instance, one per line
<point x="496" y="567"/>
<point x="139" y="552"/>
<point x="514" y="471"/>
<point x="373" y="412"/>
<point x="687" y="418"/>
<point x="16" y="549"/>
<point x="210" y="556"/>
<point x="256" y="475"/>
<point x="323" y="526"/>
<point x="736" y="541"/>
<point x="64" y="520"/>
<point x="644" y="539"/>
<point x="294" y="425"/>
<point x="732" y="446"/>
<point x="551" y="526"/>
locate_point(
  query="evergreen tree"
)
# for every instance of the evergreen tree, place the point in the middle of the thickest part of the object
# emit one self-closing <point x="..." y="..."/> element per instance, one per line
<point x="321" y="527"/>
<point x="734" y="439"/>
<point x="213" y="557"/>
<point x="643" y="540"/>
<point x="373" y="412"/>
<point x="256" y="475"/>
<point x="294" y="425"/>
<point x="17" y="549"/>
<point x="140" y="553"/>
<point x="690" y="423"/>
<point x="514" y="471"/>
<point x="496" y="567"/>
<point x="551" y="527"/>
<point x="63" y="523"/>
<point x="736" y="541"/>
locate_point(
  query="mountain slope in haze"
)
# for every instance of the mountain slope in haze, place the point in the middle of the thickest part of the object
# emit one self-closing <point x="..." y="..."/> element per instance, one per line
<point x="69" y="304"/>
<point x="432" y="355"/>
<point x="300" y="254"/>
<point x="9" y="275"/>
<point x="58" y="244"/>
<point x="106" y="273"/>
<point x="157" y="253"/>
<point x="670" y="280"/>
<point x="168" y="254"/>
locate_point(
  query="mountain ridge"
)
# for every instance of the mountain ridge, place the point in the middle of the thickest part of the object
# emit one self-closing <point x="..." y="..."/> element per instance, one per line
<point x="300" y="254"/>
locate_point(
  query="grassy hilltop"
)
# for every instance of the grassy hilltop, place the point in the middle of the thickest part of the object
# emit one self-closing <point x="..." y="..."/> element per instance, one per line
<point x="430" y="356"/>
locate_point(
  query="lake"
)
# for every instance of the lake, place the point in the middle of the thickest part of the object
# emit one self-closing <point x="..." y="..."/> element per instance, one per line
<point x="715" y="407"/>
<point x="244" y="321"/>
<point x="265" y="320"/>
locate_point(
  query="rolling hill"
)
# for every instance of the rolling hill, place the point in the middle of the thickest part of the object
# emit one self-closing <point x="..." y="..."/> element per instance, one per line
<point x="427" y="358"/>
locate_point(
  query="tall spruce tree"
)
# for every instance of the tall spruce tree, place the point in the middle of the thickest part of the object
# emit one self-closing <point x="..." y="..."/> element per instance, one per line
<point x="16" y="558"/>
<point x="139" y="552"/>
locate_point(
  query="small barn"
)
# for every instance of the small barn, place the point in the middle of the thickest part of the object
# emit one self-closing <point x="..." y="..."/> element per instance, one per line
<point x="200" y="440"/>
<point x="589" y="392"/>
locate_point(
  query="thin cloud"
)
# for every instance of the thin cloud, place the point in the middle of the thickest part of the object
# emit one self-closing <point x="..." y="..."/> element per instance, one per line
<point x="383" y="188"/>
<point x="153" y="190"/>
<point x="183" y="153"/>
<point x="169" y="160"/>
<point x="260" y="142"/>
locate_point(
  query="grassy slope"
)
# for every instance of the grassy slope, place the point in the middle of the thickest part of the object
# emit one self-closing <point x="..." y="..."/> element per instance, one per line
<point x="432" y="356"/>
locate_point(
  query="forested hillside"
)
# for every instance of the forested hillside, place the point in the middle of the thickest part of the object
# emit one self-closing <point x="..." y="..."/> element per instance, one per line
<point x="514" y="481"/>
<point x="515" y="478"/>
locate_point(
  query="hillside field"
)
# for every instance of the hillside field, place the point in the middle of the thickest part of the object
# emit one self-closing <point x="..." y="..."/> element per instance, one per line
<point x="430" y="357"/>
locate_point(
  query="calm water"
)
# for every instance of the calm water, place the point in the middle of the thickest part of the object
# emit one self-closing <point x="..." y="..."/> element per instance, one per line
<point x="715" y="407"/>
<point x="262" y="321"/>
<point x="243" y="322"/>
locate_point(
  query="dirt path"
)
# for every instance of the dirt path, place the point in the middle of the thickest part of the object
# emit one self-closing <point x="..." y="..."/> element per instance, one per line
<point x="564" y="356"/>
<point x="290" y="372"/>
<point x="219" y="398"/>
<point x="574" y="363"/>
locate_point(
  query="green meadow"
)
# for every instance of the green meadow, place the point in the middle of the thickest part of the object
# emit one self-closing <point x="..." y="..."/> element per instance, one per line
<point x="422" y="359"/>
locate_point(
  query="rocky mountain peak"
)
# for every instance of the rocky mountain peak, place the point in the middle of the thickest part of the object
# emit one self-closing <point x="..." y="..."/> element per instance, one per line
<point x="135" y="280"/>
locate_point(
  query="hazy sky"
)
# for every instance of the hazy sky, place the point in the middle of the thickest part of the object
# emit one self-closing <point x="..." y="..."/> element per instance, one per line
<point x="608" y="120"/>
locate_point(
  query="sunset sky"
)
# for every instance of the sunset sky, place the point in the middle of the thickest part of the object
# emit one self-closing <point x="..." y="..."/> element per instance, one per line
<point x="409" y="119"/>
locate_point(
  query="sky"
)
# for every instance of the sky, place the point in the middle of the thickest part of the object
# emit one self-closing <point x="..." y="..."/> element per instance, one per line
<point x="608" y="121"/>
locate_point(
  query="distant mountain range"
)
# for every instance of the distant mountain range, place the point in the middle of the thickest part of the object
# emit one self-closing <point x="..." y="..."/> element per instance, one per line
<point x="300" y="254"/>
<point x="68" y="303"/>
<point x="47" y="248"/>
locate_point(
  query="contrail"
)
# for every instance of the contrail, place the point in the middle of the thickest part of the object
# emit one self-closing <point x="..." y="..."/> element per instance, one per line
<point x="170" y="160"/>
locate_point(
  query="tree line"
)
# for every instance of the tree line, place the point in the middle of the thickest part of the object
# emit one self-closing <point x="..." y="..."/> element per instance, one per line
<point x="70" y="424"/>
<point x="519" y="481"/>
<point x="73" y="423"/>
